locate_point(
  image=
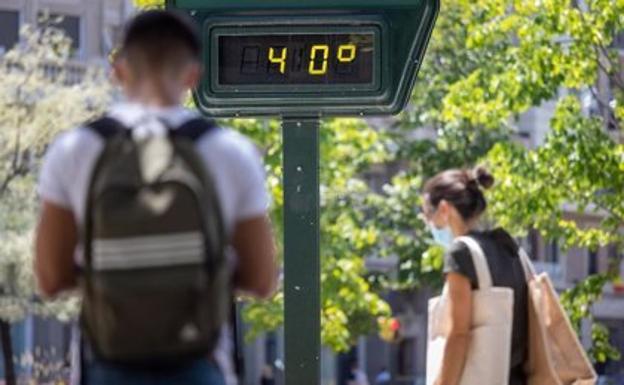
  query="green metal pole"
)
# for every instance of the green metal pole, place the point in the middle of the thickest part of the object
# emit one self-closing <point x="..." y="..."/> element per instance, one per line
<point x="302" y="301"/>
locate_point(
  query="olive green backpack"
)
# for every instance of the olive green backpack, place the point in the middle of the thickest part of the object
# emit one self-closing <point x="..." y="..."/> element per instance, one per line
<point x="155" y="282"/>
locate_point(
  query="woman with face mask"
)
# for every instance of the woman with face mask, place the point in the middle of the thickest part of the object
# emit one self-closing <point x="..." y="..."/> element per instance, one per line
<point x="453" y="204"/>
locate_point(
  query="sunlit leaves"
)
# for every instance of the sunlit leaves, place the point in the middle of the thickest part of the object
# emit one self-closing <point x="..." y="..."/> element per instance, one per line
<point x="491" y="61"/>
<point x="534" y="47"/>
<point x="578" y="168"/>
<point x="262" y="316"/>
<point x="577" y="302"/>
<point x="347" y="302"/>
<point x="350" y="306"/>
<point x="578" y="165"/>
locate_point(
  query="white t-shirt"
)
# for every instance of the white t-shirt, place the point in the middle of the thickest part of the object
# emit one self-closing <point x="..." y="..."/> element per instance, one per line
<point x="231" y="159"/>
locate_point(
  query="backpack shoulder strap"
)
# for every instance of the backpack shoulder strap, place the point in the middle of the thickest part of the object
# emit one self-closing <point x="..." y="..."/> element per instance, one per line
<point x="106" y="127"/>
<point x="195" y="129"/>
<point x="479" y="260"/>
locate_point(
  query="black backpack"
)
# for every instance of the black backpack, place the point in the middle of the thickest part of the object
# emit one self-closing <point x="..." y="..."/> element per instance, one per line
<point x="156" y="284"/>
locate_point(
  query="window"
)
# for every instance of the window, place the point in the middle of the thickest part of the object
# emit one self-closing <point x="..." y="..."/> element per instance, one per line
<point x="68" y="24"/>
<point x="612" y="252"/>
<point x="552" y="252"/>
<point x="9" y="29"/>
<point x="270" y="349"/>
<point x="407" y="358"/>
<point x="531" y="244"/>
<point x="593" y="263"/>
<point x="618" y="41"/>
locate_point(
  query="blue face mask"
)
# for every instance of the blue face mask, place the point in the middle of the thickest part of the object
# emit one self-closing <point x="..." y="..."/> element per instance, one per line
<point x="443" y="237"/>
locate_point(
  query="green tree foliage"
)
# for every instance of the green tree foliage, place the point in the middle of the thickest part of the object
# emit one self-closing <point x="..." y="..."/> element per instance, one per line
<point x="427" y="143"/>
<point x="350" y="307"/>
<point x="578" y="164"/>
<point x="490" y="61"/>
<point x="535" y="49"/>
<point x="579" y="168"/>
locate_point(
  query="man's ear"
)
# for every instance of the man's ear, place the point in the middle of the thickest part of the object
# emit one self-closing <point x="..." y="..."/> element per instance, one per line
<point x="193" y="75"/>
<point x="121" y="71"/>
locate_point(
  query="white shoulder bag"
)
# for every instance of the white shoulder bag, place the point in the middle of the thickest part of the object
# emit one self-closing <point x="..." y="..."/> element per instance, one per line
<point x="489" y="354"/>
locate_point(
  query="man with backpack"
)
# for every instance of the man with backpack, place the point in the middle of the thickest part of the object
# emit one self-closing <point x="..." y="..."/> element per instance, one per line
<point x="155" y="214"/>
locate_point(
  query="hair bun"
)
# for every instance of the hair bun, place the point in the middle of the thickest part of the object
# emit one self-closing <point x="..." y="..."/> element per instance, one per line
<point x="483" y="177"/>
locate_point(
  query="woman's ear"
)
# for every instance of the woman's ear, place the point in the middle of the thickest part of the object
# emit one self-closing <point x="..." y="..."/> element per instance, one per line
<point x="443" y="208"/>
<point x="441" y="215"/>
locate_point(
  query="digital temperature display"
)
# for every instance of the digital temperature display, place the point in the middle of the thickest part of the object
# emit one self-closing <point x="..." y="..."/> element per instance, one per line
<point x="297" y="59"/>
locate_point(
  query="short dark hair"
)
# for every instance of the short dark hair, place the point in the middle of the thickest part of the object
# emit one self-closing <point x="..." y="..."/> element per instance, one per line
<point x="161" y="38"/>
<point x="462" y="189"/>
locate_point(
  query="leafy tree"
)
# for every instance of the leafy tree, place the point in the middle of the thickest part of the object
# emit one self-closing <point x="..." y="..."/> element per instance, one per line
<point x="349" y="305"/>
<point x="41" y="94"/>
<point x="426" y="143"/>
<point x="580" y="165"/>
<point x="488" y="62"/>
<point x="536" y="49"/>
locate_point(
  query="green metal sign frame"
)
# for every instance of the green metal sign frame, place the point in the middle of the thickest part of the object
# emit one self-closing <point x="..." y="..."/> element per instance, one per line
<point x="297" y="5"/>
<point x="403" y="29"/>
<point x="404" y="26"/>
<point x="310" y="91"/>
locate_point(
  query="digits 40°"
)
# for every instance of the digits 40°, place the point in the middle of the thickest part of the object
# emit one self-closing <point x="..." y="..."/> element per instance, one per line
<point x="346" y="53"/>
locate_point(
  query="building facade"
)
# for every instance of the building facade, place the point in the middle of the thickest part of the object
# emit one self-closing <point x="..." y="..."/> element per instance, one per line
<point x="93" y="25"/>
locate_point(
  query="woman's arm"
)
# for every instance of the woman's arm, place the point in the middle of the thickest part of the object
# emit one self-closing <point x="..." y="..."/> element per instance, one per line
<point x="460" y="309"/>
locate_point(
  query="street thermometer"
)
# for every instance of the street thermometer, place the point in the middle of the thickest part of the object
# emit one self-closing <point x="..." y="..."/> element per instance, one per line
<point x="302" y="60"/>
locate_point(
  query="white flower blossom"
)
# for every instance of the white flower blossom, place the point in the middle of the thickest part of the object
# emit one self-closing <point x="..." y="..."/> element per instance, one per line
<point x="42" y="92"/>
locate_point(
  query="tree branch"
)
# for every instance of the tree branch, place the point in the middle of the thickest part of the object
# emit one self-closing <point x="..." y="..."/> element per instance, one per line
<point x="605" y="107"/>
<point x="613" y="73"/>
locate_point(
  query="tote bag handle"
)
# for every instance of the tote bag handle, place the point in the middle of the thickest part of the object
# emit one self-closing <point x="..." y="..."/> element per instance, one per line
<point x="480" y="262"/>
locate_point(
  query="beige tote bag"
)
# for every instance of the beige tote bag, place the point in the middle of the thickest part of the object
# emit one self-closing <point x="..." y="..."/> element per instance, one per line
<point x="556" y="356"/>
<point x="489" y="354"/>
